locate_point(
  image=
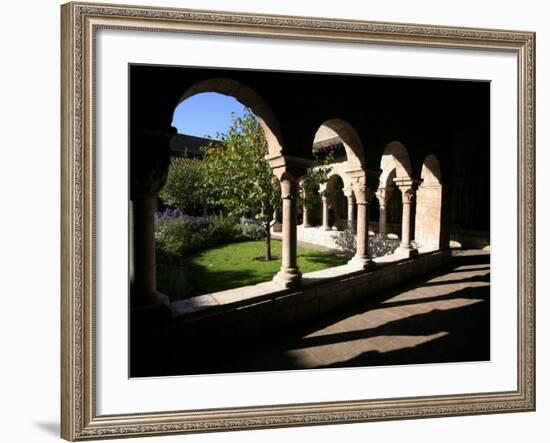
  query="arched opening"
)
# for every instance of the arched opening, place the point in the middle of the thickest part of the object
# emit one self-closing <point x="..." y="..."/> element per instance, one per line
<point x="396" y="157"/>
<point x="249" y="98"/>
<point x="336" y="203"/>
<point x="394" y="209"/>
<point x="330" y="157"/>
<point x="339" y="132"/>
<point x="331" y="199"/>
<point x="220" y="167"/>
<point x="428" y="231"/>
<point x="395" y="165"/>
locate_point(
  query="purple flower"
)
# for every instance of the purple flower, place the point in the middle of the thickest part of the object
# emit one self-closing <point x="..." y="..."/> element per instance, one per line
<point x="173" y="214"/>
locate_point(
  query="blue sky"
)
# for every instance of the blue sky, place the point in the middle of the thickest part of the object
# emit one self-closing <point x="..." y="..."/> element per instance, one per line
<point x="205" y="114"/>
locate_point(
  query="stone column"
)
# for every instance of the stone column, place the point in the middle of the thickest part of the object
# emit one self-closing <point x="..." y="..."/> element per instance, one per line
<point x="364" y="183"/>
<point x="143" y="262"/>
<point x="288" y="170"/>
<point x="408" y="189"/>
<point x="306" y="223"/>
<point x="348" y="192"/>
<point x="326" y="225"/>
<point x="305" y="210"/>
<point x="289" y="275"/>
<point x="381" y="195"/>
<point x="149" y="159"/>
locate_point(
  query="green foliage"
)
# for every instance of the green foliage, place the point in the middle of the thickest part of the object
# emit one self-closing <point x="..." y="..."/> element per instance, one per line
<point x="179" y="237"/>
<point x="316" y="175"/>
<point x="173" y="237"/>
<point x="185" y="186"/>
<point x="237" y="175"/>
<point x="251" y="231"/>
<point x="220" y="230"/>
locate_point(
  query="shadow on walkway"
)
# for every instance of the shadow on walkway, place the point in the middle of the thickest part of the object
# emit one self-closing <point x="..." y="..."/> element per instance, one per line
<point x="444" y="317"/>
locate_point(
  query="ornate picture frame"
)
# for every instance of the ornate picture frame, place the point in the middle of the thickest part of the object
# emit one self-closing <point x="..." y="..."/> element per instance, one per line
<point x="80" y="23"/>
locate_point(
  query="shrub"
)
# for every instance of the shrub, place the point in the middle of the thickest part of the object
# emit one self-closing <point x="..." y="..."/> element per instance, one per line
<point x="178" y="235"/>
<point x="221" y="230"/>
<point x="174" y="235"/>
<point x="185" y="185"/>
<point x="346" y="241"/>
<point x="378" y="244"/>
<point x="251" y="231"/>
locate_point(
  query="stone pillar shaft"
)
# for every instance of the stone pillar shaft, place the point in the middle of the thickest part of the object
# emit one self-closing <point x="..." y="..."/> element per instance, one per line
<point x="382" y="196"/>
<point x="363" y="252"/>
<point x="306" y="223"/>
<point x="406" y="226"/>
<point x="408" y="189"/>
<point x="289" y="275"/>
<point x="326" y="225"/>
<point x="143" y="260"/>
<point x="289" y="230"/>
<point x="382" y="227"/>
<point x="351" y="211"/>
<point x="149" y="163"/>
<point x="364" y="183"/>
<point x="288" y="170"/>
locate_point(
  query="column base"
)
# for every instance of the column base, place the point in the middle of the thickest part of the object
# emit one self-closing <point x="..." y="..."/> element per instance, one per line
<point x="147" y="300"/>
<point x="406" y="252"/>
<point x="326" y="228"/>
<point x="306" y="225"/>
<point x="363" y="263"/>
<point x="288" y="277"/>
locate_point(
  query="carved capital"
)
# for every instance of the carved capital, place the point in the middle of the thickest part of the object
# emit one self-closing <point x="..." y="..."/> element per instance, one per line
<point x="408" y="195"/>
<point x="364" y="182"/>
<point x="382" y="195"/>
<point x="363" y="194"/>
<point x="149" y="160"/>
<point x="282" y="165"/>
<point x="348" y="192"/>
<point x="369" y="177"/>
<point x="407" y="187"/>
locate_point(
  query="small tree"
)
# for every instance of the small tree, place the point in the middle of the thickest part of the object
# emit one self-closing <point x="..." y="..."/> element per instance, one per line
<point x="185" y="184"/>
<point x="239" y="178"/>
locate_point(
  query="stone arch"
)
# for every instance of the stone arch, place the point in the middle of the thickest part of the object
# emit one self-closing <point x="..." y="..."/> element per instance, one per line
<point x="431" y="171"/>
<point x="249" y="98"/>
<point x="355" y="155"/>
<point x="429" y="207"/>
<point x="395" y="164"/>
<point x="395" y="157"/>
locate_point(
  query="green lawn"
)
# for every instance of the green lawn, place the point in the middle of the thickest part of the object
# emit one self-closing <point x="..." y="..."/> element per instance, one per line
<point x="232" y="266"/>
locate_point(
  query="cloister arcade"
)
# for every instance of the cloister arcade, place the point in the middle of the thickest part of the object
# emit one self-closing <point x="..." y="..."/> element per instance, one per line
<point x="398" y="138"/>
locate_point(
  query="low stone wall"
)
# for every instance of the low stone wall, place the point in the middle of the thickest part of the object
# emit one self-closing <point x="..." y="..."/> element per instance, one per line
<point x="253" y="311"/>
<point x="470" y="239"/>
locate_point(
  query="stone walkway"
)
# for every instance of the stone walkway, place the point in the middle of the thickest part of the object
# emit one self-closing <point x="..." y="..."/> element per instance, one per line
<point x="441" y="318"/>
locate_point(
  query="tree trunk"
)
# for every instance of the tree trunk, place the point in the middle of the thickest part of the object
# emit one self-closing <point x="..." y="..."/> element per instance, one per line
<point x="267" y="242"/>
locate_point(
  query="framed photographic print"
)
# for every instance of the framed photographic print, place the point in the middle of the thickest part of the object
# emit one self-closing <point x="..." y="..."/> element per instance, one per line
<point x="282" y="221"/>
